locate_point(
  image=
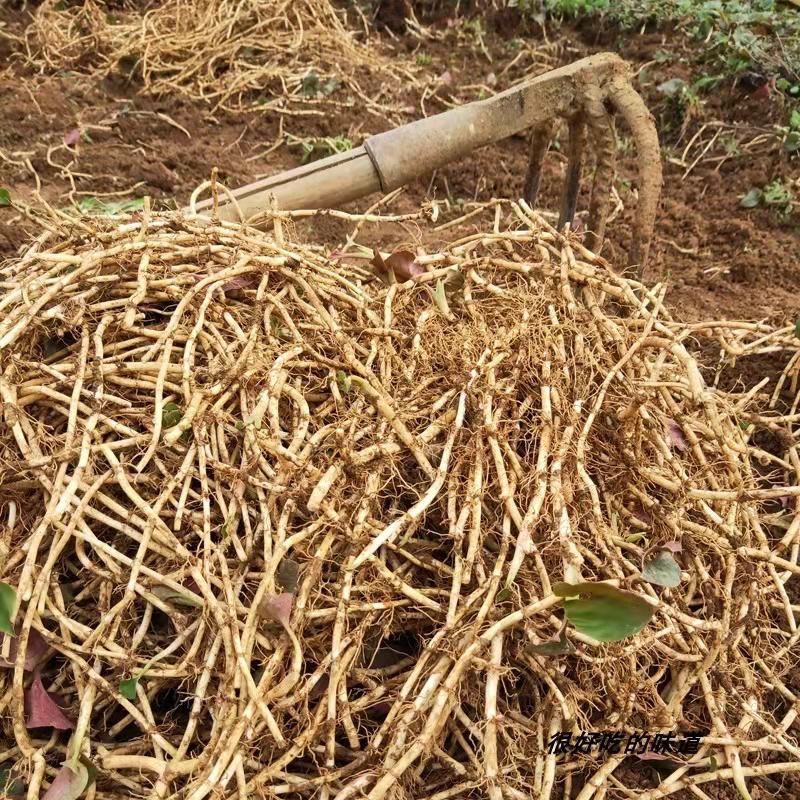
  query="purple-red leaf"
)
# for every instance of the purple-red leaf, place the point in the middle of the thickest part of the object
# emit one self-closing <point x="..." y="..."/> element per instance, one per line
<point x="380" y="265"/>
<point x="764" y="92"/>
<point x="41" y="709"/>
<point x="34" y="652"/>
<point x="69" y="783"/>
<point x="72" y="137"/>
<point x="651" y="756"/>
<point x="403" y="264"/>
<point x="239" y="282"/>
<point x="640" y="512"/>
<point x="278" y="607"/>
<point x="675" y="435"/>
<point x="666" y="759"/>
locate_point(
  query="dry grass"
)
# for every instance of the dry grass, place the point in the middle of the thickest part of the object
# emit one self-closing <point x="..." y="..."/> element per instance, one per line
<point x="192" y="412"/>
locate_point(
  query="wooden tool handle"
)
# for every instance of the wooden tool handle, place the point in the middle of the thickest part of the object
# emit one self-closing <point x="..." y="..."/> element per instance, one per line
<point x="392" y="159"/>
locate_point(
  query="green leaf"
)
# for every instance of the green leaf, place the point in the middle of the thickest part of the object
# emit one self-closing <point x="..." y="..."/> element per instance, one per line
<point x="8" y="605"/>
<point x="712" y="764"/>
<point x="555" y="647"/>
<point x="128" y="64"/>
<point x="288" y="574"/>
<point x="440" y="298"/>
<point x="360" y="384"/>
<point x="503" y="595"/>
<point x="127" y="688"/>
<point x="671" y="87"/>
<point x="633" y="538"/>
<point x="776" y="193"/>
<point x="5" y="197"/>
<point x="91" y="771"/>
<point x="94" y="205"/>
<point x="661" y="569"/>
<point x="797" y="328"/>
<point x="277" y="330"/>
<point x="791" y="144"/>
<point x="169" y="595"/>
<point x="308" y="152"/>
<point x="331" y="85"/>
<point x="707" y="82"/>
<point x="752" y="199"/>
<point x="602" y="611"/>
<point x="170" y="415"/>
<point x="10" y="784"/>
<point x="343" y="381"/>
<point x="311" y="85"/>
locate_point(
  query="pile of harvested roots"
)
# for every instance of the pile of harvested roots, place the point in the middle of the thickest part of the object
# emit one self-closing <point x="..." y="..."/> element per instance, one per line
<point x="275" y="524"/>
<point x="231" y="53"/>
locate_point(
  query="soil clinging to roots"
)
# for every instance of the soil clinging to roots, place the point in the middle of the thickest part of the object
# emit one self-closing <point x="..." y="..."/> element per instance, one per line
<point x="317" y="517"/>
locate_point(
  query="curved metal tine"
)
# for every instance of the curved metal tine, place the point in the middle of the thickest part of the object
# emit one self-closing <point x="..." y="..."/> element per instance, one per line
<point x="540" y="142"/>
<point x="604" y="143"/>
<point x="648" y="154"/>
<point x="569" y="197"/>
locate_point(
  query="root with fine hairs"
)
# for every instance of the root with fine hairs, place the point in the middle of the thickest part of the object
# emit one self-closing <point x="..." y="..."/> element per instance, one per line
<point x="234" y="54"/>
<point x="193" y="410"/>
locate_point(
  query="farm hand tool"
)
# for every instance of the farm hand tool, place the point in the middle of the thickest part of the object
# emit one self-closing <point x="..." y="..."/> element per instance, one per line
<point x="587" y="94"/>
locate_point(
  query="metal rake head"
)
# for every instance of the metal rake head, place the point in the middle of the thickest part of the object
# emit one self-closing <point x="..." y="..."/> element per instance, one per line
<point x="589" y="94"/>
<point x="601" y="92"/>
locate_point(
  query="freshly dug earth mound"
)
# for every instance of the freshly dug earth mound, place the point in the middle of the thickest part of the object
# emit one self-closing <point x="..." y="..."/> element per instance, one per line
<point x="277" y="524"/>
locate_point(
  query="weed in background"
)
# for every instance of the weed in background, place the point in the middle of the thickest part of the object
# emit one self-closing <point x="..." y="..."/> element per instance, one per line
<point x="319" y="147"/>
<point x="777" y="195"/>
<point x="738" y="35"/>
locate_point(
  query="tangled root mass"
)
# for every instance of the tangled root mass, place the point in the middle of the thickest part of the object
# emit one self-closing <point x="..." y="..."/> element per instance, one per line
<point x="318" y="517"/>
